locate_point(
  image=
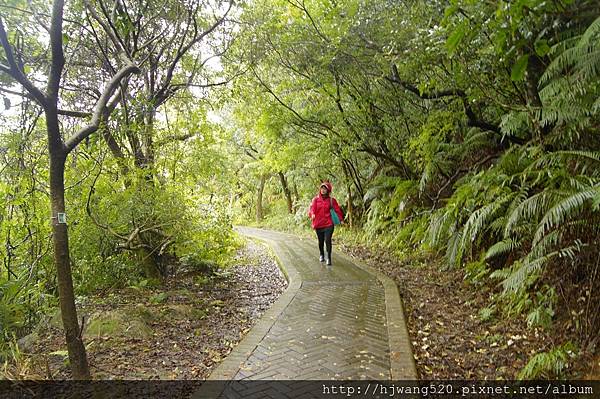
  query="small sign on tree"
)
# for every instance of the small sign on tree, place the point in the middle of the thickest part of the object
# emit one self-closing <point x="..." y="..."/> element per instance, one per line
<point x="62" y="218"/>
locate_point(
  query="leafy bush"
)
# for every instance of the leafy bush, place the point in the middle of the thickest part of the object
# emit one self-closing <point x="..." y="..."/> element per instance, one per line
<point x="21" y="305"/>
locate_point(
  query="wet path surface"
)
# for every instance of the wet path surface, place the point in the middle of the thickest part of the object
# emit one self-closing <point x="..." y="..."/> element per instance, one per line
<point x="334" y="327"/>
<point x="340" y="322"/>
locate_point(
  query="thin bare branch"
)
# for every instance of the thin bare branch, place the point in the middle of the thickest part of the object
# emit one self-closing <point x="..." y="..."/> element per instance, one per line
<point x="183" y="50"/>
<point x="37" y="16"/>
<point x="106" y="28"/>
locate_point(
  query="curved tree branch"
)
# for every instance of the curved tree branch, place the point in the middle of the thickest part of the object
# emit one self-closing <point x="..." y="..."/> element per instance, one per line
<point x="472" y="119"/>
<point x="13" y="70"/>
<point x="100" y="109"/>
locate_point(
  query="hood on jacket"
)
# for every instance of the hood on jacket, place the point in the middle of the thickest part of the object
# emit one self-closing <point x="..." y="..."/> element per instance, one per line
<point x="327" y="185"/>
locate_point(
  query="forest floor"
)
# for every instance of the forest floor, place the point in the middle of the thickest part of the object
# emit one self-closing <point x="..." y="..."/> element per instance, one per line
<point x="451" y="338"/>
<point x="179" y="331"/>
<point x="185" y="328"/>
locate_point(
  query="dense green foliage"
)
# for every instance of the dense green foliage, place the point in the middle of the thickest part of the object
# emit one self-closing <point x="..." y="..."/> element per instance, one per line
<point x="141" y="194"/>
<point x="193" y="228"/>
<point x="465" y="128"/>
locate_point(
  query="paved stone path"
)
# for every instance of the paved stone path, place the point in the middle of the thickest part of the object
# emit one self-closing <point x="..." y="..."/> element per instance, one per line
<point x="333" y="322"/>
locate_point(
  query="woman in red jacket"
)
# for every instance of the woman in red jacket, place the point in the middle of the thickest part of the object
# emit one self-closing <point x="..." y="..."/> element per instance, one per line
<point x="320" y="214"/>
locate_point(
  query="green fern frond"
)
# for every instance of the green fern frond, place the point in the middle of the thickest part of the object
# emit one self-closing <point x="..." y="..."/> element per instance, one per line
<point x="476" y="140"/>
<point x="528" y="268"/>
<point x="497" y="225"/>
<point x="596" y="203"/>
<point x="478" y="220"/>
<point x="513" y="123"/>
<point x="596" y="106"/>
<point x="588" y="66"/>
<point x="454" y="249"/>
<point x="570" y="252"/>
<point x="579" y="183"/>
<point x="522" y="272"/>
<point x="550" y="364"/>
<point x="570" y="51"/>
<point x="426" y="176"/>
<point x="531" y="209"/>
<point x="548" y="243"/>
<point x="502" y="247"/>
<point x="564" y="210"/>
<point x="558" y="158"/>
<point x="502" y="274"/>
<point x="568" y="87"/>
<point x="578" y="155"/>
<point x="592" y="32"/>
<point x="561" y="60"/>
<point x="439" y="228"/>
<point x="525" y="271"/>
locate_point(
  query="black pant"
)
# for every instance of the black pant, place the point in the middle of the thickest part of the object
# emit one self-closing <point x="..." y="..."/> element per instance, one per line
<point x="324" y="236"/>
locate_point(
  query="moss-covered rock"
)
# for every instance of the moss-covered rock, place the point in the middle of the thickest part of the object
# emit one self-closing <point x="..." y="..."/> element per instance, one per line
<point x="183" y="312"/>
<point x="179" y="311"/>
<point x="118" y="323"/>
<point x="27" y="343"/>
<point x="148" y="315"/>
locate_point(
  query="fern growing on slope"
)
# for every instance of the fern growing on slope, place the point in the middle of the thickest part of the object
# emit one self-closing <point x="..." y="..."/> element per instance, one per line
<point x="551" y="364"/>
<point x="570" y="83"/>
<point x="538" y="207"/>
<point x="530" y="218"/>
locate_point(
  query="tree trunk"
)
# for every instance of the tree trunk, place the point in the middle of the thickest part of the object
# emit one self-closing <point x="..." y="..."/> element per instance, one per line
<point x="58" y="151"/>
<point x="148" y="138"/>
<point x="286" y="191"/>
<point x="296" y="196"/>
<point x="350" y="210"/>
<point x="149" y="264"/>
<point x="117" y="152"/>
<point x="259" y="198"/>
<point x="60" y="239"/>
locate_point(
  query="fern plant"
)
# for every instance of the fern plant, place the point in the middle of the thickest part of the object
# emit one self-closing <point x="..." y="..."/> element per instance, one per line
<point x="570" y="83"/>
<point x="551" y="364"/>
<point x="529" y="216"/>
<point x="392" y="199"/>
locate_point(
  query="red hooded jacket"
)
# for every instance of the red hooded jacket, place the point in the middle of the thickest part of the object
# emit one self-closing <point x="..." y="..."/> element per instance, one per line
<point x="319" y="211"/>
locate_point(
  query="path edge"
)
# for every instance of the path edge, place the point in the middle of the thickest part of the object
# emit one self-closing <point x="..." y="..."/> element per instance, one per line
<point x="227" y="370"/>
<point x="402" y="361"/>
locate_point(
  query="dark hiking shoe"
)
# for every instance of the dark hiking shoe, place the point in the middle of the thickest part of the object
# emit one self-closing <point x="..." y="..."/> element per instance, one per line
<point x="321" y="258"/>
